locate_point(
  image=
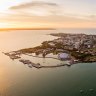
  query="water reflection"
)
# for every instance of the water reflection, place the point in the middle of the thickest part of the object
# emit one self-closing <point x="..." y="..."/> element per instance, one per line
<point x="19" y="80"/>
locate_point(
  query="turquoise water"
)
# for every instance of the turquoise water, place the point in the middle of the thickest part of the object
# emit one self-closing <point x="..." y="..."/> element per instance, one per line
<point x="17" y="79"/>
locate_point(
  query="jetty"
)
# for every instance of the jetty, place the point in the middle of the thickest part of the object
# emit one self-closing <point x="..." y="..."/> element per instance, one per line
<point x="38" y="65"/>
<point x="30" y="64"/>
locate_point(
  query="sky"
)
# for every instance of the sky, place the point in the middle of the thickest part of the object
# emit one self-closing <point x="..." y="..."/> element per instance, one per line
<point x="48" y="13"/>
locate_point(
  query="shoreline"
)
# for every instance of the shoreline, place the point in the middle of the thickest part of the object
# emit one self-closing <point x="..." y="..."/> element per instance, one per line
<point x="73" y="47"/>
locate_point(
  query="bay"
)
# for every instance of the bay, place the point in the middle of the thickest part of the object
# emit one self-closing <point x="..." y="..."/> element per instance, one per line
<point x="17" y="79"/>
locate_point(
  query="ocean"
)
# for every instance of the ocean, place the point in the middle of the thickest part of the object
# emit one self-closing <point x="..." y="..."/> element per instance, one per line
<point x="17" y="79"/>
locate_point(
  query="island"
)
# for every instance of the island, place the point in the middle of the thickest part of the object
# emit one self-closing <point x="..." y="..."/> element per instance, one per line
<point x="74" y="48"/>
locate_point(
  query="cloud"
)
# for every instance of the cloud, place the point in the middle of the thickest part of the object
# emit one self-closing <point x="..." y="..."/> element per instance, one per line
<point x="93" y="17"/>
<point x="42" y="8"/>
<point x="37" y="8"/>
<point x="33" y="4"/>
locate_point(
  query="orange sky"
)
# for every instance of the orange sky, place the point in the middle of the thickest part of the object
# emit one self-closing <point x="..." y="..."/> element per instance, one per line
<point x="47" y="13"/>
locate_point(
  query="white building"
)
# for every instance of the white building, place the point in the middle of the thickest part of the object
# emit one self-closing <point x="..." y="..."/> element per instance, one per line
<point x="63" y="56"/>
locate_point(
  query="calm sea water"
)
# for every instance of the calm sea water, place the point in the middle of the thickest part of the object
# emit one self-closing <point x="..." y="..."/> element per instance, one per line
<point x="17" y="79"/>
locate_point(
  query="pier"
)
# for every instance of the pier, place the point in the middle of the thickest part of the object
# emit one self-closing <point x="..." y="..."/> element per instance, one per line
<point x="38" y="65"/>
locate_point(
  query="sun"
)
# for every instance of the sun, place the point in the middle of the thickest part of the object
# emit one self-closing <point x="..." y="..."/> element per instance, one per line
<point x="3" y="5"/>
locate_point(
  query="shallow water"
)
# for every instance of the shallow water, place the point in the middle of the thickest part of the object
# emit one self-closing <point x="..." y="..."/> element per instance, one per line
<point x="17" y="79"/>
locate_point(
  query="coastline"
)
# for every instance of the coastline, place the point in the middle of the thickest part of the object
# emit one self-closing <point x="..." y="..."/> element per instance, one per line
<point x="57" y="46"/>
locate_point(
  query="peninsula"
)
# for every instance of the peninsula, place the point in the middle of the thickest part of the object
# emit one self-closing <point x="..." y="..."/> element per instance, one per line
<point x="74" y="48"/>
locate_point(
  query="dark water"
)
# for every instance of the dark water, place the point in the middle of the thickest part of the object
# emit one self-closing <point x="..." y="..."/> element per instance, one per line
<point x="17" y="79"/>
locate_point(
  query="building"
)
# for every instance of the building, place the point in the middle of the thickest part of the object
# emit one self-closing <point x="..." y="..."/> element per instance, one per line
<point x="63" y="56"/>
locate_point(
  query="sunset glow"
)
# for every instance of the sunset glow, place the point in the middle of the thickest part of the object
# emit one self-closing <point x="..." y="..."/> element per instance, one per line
<point x="47" y="47"/>
<point x="48" y="13"/>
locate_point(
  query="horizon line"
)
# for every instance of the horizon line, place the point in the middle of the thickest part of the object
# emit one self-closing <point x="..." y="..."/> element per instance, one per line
<point x="4" y="29"/>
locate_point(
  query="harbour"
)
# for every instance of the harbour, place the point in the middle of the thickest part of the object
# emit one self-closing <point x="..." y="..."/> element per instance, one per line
<point x="17" y="79"/>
